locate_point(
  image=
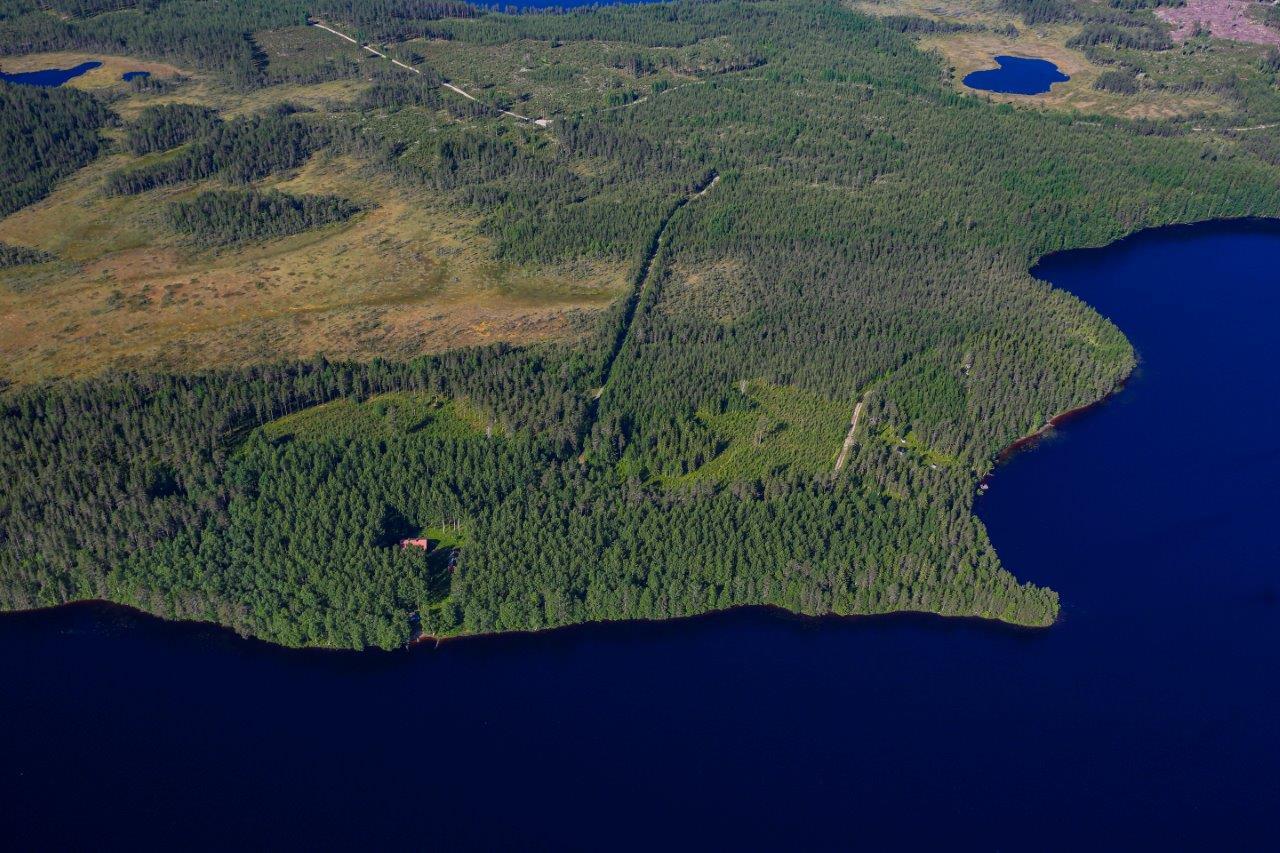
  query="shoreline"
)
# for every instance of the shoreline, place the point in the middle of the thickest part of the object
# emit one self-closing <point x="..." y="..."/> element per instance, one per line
<point x="1031" y="439"/>
<point x="1025" y="442"/>
<point x="775" y="610"/>
<point x="425" y="640"/>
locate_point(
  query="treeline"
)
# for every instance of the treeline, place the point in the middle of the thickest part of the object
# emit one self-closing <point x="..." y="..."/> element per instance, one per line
<point x="650" y="24"/>
<point x="537" y="207"/>
<point x="1137" y="38"/>
<point x="240" y="151"/>
<point x="916" y="24"/>
<point x="89" y="8"/>
<point x="212" y="35"/>
<point x="164" y="126"/>
<point x="391" y="20"/>
<point x="1134" y="5"/>
<point x="404" y="92"/>
<point x="1123" y="23"/>
<point x="1043" y="11"/>
<point x="219" y="217"/>
<point x="1125" y="82"/>
<point x="45" y="135"/>
<point x="16" y="256"/>
<point x="159" y="492"/>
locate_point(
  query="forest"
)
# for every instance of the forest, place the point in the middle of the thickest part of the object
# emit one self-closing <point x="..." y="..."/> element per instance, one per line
<point x="14" y="256"/>
<point x="822" y="221"/>
<point x="238" y="151"/>
<point x="47" y="134"/>
<point x="232" y="216"/>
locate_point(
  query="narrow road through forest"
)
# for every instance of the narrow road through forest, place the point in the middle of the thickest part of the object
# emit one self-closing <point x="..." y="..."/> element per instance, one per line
<point x="541" y="122"/>
<point x="848" y="439"/>
<point x="642" y="279"/>
<point x="636" y="295"/>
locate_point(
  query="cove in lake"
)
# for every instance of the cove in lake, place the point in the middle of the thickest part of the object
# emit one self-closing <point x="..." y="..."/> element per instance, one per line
<point x="49" y="76"/>
<point x="1017" y="75"/>
<point x="1145" y="718"/>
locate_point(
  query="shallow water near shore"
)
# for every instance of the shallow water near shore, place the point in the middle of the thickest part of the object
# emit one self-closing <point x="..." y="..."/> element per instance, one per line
<point x="1146" y="717"/>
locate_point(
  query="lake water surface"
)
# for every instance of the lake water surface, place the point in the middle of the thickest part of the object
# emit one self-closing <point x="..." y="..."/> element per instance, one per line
<point x="1149" y="717"/>
<point x="48" y="76"/>
<point x="1017" y="75"/>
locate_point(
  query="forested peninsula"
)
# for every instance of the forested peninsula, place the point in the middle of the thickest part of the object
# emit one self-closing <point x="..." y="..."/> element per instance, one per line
<point x="630" y="312"/>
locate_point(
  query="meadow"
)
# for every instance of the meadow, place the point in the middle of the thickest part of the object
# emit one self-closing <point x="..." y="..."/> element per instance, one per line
<point x="409" y="275"/>
<point x="1184" y="82"/>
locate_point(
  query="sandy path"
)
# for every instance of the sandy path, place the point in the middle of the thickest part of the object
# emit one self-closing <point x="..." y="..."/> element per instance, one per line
<point x="848" y="439"/>
<point x="539" y="122"/>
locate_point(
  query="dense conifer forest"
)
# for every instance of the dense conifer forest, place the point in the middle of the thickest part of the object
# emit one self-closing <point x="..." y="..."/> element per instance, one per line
<point x="165" y="126"/>
<point x="47" y="134"/>
<point x="232" y="216"/>
<point x="239" y="151"/>
<point x="817" y="219"/>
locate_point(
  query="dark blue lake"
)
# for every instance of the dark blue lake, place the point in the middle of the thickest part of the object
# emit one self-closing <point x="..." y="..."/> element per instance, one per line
<point x="134" y="75"/>
<point x="48" y="76"/>
<point x="1017" y="75"/>
<point x="1147" y="718"/>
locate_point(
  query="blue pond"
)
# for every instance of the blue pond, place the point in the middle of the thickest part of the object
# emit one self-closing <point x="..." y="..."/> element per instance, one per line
<point x="1017" y="75"/>
<point x="135" y="75"/>
<point x="1145" y="719"/>
<point x="48" y="76"/>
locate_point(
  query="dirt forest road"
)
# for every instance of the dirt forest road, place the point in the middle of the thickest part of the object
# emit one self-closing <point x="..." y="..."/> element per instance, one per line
<point x="848" y="439"/>
<point x="540" y="122"/>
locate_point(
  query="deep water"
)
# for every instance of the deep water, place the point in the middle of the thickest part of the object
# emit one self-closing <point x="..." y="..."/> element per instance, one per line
<point x="48" y="76"/>
<point x="1017" y="76"/>
<point x="1148" y="718"/>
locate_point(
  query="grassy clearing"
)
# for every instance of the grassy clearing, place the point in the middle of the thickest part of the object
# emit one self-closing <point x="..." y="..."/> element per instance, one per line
<point x="965" y="52"/>
<point x="981" y="12"/>
<point x="385" y="416"/>
<point x="444" y="538"/>
<point x="968" y="52"/>
<point x="407" y="276"/>
<point x="771" y="430"/>
<point x="403" y="278"/>
<point x="541" y="79"/>
<point x="206" y="92"/>
<point x="294" y="53"/>
<point x="914" y="445"/>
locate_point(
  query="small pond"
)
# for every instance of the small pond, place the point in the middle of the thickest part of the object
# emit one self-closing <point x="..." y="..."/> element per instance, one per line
<point x="48" y="76"/>
<point x="1017" y="75"/>
<point x="135" y="75"/>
